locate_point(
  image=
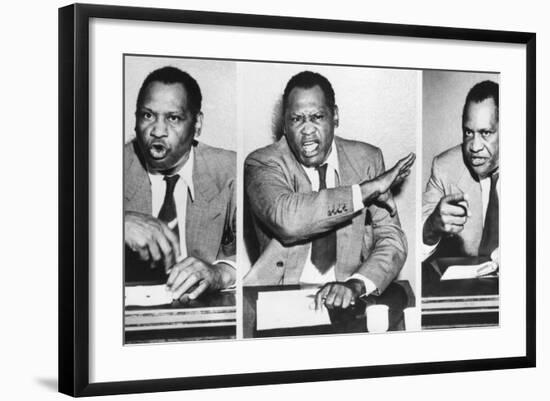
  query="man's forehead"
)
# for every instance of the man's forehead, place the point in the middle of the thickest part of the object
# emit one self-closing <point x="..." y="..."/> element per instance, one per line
<point x="488" y="103"/>
<point x="157" y="89"/>
<point x="486" y="107"/>
<point x="301" y="98"/>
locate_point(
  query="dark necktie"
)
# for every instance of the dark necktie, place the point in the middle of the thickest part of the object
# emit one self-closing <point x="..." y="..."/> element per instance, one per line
<point x="323" y="248"/>
<point x="168" y="212"/>
<point x="489" y="239"/>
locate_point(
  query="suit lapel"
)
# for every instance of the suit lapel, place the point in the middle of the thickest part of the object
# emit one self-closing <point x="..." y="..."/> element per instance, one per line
<point x="348" y="174"/>
<point x="137" y="186"/>
<point x="350" y="236"/>
<point x="201" y="211"/>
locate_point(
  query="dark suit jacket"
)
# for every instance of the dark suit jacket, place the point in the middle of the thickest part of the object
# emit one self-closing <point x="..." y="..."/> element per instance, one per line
<point x="449" y="173"/>
<point x="210" y="217"/>
<point x="287" y="214"/>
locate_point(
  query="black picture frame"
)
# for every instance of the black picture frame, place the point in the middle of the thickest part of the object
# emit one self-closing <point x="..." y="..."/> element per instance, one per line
<point x="74" y="197"/>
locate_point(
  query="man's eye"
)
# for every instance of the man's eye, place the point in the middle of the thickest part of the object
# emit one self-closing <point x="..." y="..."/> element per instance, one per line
<point x="146" y="115"/>
<point x="317" y="117"/>
<point x="468" y="133"/>
<point x="486" y="134"/>
<point x="174" y="119"/>
<point x="295" y="119"/>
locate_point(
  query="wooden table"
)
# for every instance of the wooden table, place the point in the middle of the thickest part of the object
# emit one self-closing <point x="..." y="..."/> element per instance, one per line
<point x="458" y="303"/>
<point x="397" y="296"/>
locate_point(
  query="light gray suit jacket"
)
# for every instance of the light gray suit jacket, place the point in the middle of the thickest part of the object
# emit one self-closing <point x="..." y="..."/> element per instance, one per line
<point x="210" y="230"/>
<point x="449" y="174"/>
<point x="287" y="214"/>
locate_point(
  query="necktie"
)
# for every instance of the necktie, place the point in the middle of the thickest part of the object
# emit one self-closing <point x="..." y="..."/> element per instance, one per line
<point x="489" y="239"/>
<point x="168" y="212"/>
<point x="323" y="248"/>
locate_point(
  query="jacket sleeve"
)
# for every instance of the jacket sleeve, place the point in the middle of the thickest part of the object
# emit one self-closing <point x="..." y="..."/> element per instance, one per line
<point x="388" y="246"/>
<point x="293" y="216"/>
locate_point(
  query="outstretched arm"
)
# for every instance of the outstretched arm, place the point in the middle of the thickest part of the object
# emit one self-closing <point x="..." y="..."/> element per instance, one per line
<point x="293" y="216"/>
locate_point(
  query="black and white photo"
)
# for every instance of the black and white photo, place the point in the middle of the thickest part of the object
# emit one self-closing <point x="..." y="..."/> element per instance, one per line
<point x="237" y="190"/>
<point x="179" y="212"/>
<point x="460" y="204"/>
<point x="330" y="230"/>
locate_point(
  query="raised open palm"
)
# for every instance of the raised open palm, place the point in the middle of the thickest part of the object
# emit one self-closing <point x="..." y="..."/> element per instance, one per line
<point x="396" y="174"/>
<point x="390" y="178"/>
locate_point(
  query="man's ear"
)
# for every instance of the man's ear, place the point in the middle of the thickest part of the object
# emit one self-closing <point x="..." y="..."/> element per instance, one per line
<point x="335" y="117"/>
<point x="136" y="123"/>
<point x="198" y="124"/>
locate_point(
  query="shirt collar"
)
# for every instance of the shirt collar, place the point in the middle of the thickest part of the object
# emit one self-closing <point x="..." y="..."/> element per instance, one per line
<point x="332" y="159"/>
<point x="185" y="172"/>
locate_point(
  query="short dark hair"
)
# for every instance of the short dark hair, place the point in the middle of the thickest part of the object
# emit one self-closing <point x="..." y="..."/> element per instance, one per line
<point x="308" y="80"/>
<point x="173" y="75"/>
<point x="479" y="92"/>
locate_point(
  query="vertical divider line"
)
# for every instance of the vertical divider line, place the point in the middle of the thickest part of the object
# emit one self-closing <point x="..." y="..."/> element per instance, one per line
<point x="419" y="190"/>
<point x="241" y="249"/>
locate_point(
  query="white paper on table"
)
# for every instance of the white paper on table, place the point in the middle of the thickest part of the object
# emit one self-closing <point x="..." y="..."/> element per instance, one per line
<point x="460" y="272"/>
<point x="285" y="309"/>
<point x="147" y="295"/>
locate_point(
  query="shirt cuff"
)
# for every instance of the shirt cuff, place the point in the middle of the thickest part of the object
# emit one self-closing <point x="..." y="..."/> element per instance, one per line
<point x="370" y="287"/>
<point x="227" y="262"/>
<point x="357" y="198"/>
<point x="230" y="263"/>
<point x="428" y="250"/>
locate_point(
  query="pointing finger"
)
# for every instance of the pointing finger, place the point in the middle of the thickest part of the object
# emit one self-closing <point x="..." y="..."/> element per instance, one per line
<point x="154" y="250"/>
<point x="465" y="201"/>
<point x="172" y="238"/>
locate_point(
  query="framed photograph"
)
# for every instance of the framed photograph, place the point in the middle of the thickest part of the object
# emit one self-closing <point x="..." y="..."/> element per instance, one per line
<point x="279" y="199"/>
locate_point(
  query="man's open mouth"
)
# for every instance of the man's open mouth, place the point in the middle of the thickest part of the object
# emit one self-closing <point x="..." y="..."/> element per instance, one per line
<point x="310" y="148"/>
<point x="158" y="151"/>
<point x="478" y="161"/>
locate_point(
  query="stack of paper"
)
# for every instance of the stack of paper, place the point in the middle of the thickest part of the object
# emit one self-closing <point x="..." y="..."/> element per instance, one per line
<point x="147" y="295"/>
<point x="458" y="272"/>
<point x="286" y="309"/>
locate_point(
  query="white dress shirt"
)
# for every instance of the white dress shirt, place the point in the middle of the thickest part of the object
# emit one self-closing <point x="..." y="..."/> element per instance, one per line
<point x="310" y="274"/>
<point x="485" y="183"/>
<point x="183" y="191"/>
<point x="184" y="188"/>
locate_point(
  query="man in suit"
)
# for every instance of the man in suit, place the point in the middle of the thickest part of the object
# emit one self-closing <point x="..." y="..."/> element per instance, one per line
<point x="179" y="194"/>
<point x="321" y="204"/>
<point x="460" y="204"/>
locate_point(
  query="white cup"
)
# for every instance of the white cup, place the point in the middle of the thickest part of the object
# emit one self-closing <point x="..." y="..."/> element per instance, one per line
<point x="412" y="319"/>
<point x="377" y="318"/>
